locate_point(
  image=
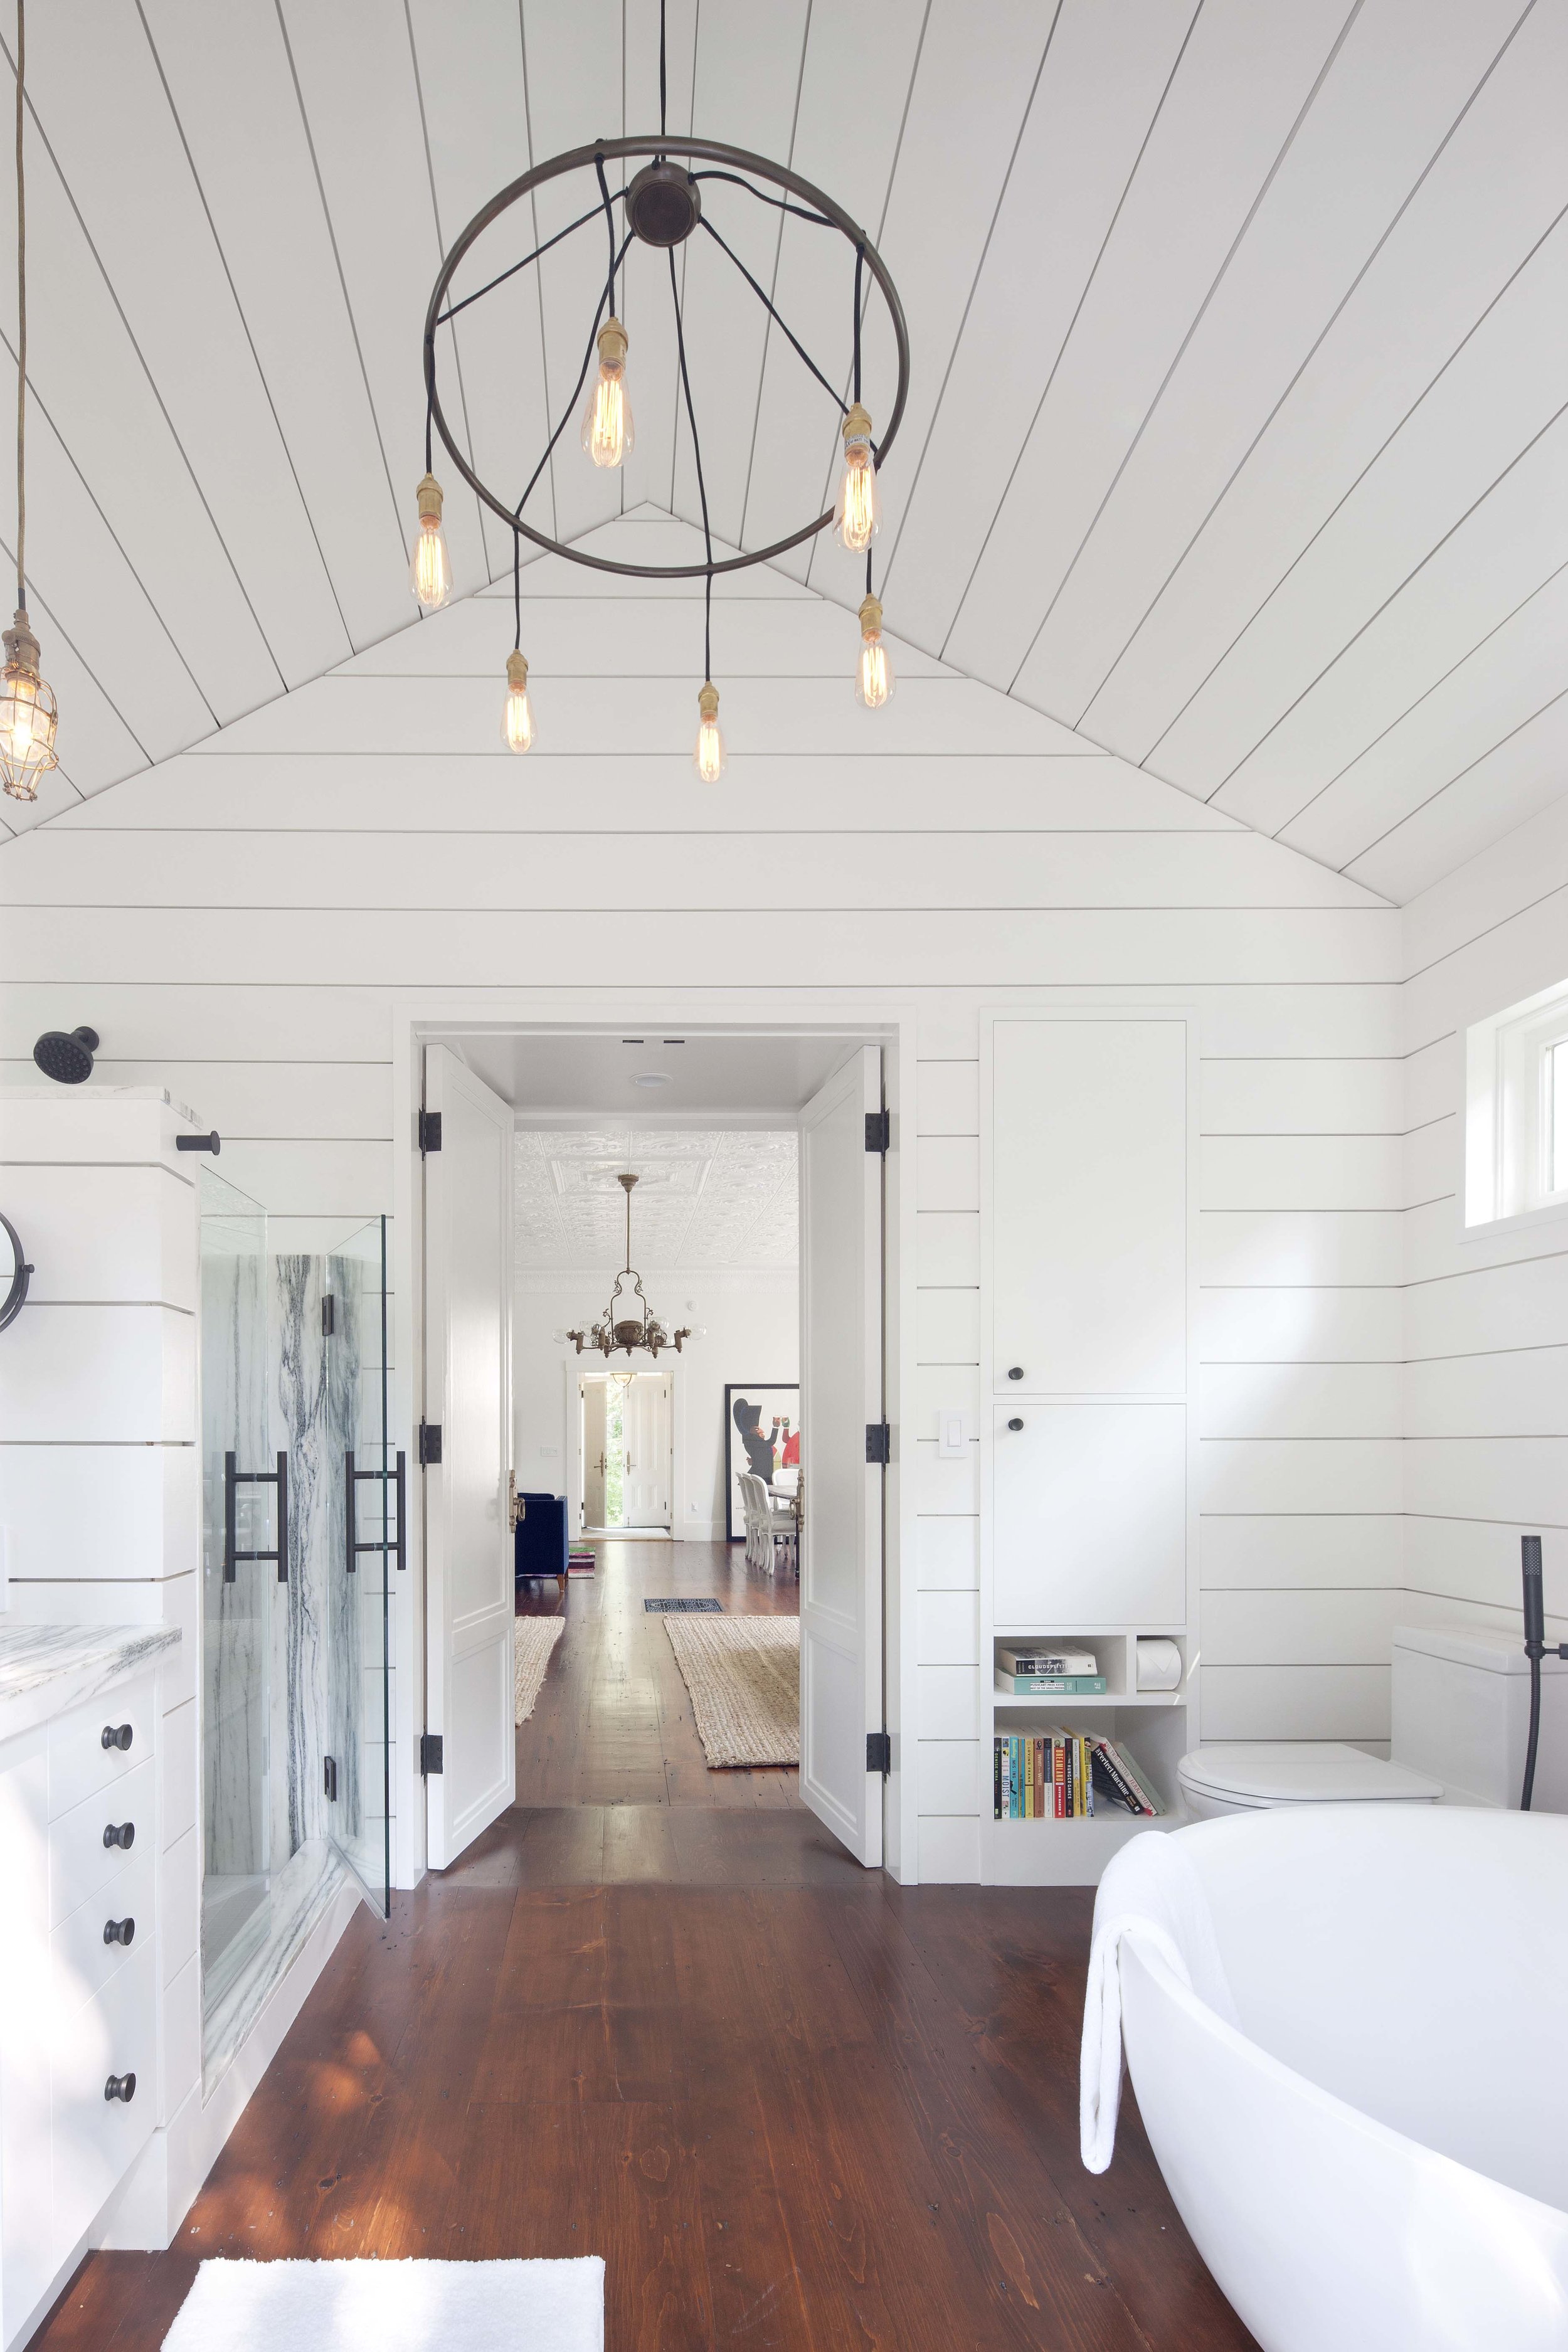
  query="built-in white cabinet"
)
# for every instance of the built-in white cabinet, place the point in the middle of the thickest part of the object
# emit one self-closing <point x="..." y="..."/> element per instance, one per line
<point x="1089" y="1208"/>
<point x="1087" y="1271"/>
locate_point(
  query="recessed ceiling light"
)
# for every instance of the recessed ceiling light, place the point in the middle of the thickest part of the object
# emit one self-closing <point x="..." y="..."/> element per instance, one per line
<point x="651" y="1078"/>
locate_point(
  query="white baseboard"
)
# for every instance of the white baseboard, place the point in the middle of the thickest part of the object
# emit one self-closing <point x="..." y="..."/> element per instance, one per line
<point x="146" y="2211"/>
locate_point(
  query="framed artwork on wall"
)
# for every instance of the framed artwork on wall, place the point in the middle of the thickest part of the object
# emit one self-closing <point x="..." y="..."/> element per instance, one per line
<point x="762" y="1433"/>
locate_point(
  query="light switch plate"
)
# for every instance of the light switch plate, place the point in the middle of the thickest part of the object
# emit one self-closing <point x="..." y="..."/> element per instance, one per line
<point x="951" y="1436"/>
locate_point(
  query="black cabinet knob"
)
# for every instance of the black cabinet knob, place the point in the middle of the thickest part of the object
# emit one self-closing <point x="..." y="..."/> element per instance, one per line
<point x="1014" y="1423"/>
<point x="122" y="2087"/>
<point x="124" y="1836"/>
<point x="1016" y="1373"/>
<point x="119" y="1931"/>
<point x="117" y="1735"/>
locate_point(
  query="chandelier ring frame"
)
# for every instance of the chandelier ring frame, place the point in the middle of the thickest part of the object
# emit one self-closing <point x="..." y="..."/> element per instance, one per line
<point x="702" y="151"/>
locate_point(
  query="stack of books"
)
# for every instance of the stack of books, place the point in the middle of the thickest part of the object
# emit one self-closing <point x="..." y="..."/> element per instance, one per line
<point x="1064" y="1776"/>
<point x="1047" y="1671"/>
<point x="580" y="1561"/>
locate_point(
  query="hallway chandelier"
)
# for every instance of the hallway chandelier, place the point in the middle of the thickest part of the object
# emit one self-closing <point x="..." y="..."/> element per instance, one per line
<point x="618" y="1333"/>
<point x="662" y="205"/>
<point x="28" y="713"/>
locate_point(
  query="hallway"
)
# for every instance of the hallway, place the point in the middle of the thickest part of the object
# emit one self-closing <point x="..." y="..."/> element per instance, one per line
<point x="612" y="1725"/>
<point x="795" y="2106"/>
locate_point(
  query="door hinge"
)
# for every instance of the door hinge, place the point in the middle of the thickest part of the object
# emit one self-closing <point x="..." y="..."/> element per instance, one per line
<point x="879" y="1441"/>
<point x="429" y="1131"/>
<point x="879" y="1751"/>
<point x="330" y="1777"/>
<point x="429" y="1443"/>
<point x="879" y="1131"/>
<point x="430" y="1752"/>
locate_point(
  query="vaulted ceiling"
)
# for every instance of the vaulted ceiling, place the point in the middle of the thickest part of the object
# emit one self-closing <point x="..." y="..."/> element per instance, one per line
<point x="1236" y="439"/>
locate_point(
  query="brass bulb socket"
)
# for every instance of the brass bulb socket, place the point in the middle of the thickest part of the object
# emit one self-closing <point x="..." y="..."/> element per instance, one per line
<point x="21" y="646"/>
<point x="708" y="700"/>
<point x="430" y="497"/>
<point x="516" y="671"/>
<point x="613" y="344"/>
<point x="857" y="425"/>
<point x="871" y="617"/>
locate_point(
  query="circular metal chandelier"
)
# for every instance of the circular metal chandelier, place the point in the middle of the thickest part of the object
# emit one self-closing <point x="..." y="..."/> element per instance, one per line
<point x="663" y="204"/>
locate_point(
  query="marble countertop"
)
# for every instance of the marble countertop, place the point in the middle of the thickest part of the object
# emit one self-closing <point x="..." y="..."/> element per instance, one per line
<point x="46" y="1669"/>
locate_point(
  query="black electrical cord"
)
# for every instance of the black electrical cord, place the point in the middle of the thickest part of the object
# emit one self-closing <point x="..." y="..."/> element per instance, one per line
<point x="782" y="204"/>
<point x="701" y="485"/>
<point x="610" y="225"/>
<point x="582" y="218"/>
<point x="859" y="267"/>
<point x="793" y="339"/>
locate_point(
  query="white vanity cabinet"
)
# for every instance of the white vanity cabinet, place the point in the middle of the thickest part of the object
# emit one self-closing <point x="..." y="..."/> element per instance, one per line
<point x="80" y="2081"/>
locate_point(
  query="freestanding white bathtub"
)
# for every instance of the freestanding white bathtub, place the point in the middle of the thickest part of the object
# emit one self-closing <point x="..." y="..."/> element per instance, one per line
<point x="1377" y="2161"/>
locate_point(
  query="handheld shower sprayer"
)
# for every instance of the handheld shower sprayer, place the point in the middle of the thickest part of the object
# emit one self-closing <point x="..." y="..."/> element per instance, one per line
<point x="1536" y="1647"/>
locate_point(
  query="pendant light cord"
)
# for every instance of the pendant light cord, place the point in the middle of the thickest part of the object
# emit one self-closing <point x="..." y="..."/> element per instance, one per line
<point x="21" y="326"/>
<point x="701" y="485"/>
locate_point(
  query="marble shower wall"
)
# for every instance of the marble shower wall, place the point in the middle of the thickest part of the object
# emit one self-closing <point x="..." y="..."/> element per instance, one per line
<point x="236" y="1632"/>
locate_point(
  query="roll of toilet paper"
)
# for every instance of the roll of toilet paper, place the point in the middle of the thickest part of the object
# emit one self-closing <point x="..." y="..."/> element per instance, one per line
<point x="1159" y="1664"/>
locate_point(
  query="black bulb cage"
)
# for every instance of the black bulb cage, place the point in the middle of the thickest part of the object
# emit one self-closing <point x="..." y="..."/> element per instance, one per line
<point x="727" y="164"/>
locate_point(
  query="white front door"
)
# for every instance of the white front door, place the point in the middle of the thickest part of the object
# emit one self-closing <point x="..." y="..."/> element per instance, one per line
<point x="646" y="1427"/>
<point x="594" y="1426"/>
<point x="840" y="1400"/>
<point x="469" y="1555"/>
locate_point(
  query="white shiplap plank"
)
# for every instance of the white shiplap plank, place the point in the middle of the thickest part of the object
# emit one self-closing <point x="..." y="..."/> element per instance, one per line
<point x="1475" y="1312"/>
<point x="1312" y="1628"/>
<point x="1233" y="101"/>
<point x="1300" y="1097"/>
<point x="1328" y="1249"/>
<point x="1301" y="1401"/>
<point x="1521" y="1480"/>
<point x="1520" y="1392"/>
<point x="1335" y="1552"/>
<point x="1293" y="1173"/>
<point x="1267" y="1702"/>
<point x="1301" y="1326"/>
<point x="1521" y="776"/>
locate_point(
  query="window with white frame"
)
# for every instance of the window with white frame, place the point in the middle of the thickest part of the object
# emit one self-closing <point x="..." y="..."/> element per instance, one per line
<point x="1516" y="1111"/>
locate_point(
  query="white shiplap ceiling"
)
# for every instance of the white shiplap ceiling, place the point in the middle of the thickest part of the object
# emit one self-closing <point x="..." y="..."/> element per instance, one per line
<point x="1236" y="439"/>
<point x="704" y="1198"/>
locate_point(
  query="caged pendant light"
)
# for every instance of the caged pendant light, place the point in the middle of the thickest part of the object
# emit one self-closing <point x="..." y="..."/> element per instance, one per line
<point x="28" y="713"/>
<point x="656" y="210"/>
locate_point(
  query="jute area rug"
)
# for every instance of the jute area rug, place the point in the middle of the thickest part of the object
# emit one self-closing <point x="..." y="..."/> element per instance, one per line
<point x="744" y="1673"/>
<point x="360" y="2306"/>
<point x="536" y="1637"/>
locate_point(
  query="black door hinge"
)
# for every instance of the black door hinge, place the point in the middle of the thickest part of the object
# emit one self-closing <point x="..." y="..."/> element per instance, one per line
<point x="879" y="1131"/>
<point x="429" y="1443"/>
<point x="330" y="1777"/>
<point x="879" y="1751"/>
<point x="429" y="1131"/>
<point x="879" y="1441"/>
<point x="430" y="1752"/>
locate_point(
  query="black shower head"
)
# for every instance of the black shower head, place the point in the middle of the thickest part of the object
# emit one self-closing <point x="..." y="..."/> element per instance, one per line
<point x="68" y="1057"/>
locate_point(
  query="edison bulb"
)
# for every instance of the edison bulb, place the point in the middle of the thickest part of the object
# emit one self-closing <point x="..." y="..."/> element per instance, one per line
<point x="858" y="509"/>
<point x="707" y="760"/>
<point x="517" y="717"/>
<point x="607" y="433"/>
<point x="27" y="716"/>
<point x="430" y="572"/>
<point x="874" y="680"/>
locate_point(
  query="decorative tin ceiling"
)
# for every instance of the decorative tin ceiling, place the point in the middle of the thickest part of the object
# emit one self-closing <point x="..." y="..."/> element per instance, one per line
<point x="709" y="1197"/>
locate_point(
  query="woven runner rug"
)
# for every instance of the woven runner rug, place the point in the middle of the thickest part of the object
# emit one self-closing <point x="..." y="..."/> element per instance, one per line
<point x="536" y="1637"/>
<point x="744" y="1673"/>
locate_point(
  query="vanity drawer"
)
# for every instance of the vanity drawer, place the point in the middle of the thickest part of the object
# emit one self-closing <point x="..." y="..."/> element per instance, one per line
<point x="96" y="2139"/>
<point x="78" y="1760"/>
<point x="82" y="1961"/>
<point x="79" y="1862"/>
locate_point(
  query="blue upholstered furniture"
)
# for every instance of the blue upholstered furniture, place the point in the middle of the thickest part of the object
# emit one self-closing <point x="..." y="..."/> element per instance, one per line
<point x="540" y="1540"/>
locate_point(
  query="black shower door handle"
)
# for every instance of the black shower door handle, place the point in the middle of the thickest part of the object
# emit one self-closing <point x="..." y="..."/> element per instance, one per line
<point x="234" y="1478"/>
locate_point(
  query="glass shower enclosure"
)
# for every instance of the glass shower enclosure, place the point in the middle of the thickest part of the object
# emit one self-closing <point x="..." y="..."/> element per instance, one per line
<point x="303" y="1532"/>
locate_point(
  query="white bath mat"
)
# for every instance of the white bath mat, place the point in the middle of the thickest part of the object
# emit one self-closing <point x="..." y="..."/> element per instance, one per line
<point x="536" y="1637"/>
<point x="744" y="1673"/>
<point x="393" y="2307"/>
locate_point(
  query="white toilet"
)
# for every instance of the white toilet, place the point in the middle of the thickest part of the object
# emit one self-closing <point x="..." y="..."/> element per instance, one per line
<point x="1461" y="1703"/>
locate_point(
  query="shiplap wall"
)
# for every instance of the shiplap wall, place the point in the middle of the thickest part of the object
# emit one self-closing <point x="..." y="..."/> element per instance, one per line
<point x="1486" y="1313"/>
<point x="235" y="921"/>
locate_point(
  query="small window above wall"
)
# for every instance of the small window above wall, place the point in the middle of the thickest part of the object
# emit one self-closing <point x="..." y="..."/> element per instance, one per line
<point x="1515" y="1111"/>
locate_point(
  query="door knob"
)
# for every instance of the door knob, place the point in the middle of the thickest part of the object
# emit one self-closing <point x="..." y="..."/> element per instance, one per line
<point x="1014" y="1423"/>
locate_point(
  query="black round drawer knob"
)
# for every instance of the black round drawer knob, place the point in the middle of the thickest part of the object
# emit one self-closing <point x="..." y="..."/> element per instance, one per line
<point x="1016" y="1373"/>
<point x="124" y="1835"/>
<point x="117" y="1735"/>
<point x="122" y="2087"/>
<point x="119" y="1931"/>
<point x="1014" y="1423"/>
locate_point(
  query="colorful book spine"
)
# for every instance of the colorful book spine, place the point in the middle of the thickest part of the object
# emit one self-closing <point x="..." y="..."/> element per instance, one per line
<point x="1050" y="1686"/>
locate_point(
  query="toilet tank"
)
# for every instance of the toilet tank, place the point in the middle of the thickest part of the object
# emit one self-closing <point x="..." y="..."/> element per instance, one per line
<point x="1461" y="1713"/>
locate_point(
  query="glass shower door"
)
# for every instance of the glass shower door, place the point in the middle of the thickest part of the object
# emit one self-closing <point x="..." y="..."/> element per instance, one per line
<point x="370" y="1549"/>
<point x="238" y="1594"/>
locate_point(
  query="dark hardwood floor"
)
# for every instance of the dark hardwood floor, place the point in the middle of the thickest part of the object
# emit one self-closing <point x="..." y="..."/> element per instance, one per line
<point x="795" y="2106"/>
<point x="612" y="1725"/>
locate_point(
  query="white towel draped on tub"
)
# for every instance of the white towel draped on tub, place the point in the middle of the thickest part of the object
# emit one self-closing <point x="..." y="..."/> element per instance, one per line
<point x="1150" y="1890"/>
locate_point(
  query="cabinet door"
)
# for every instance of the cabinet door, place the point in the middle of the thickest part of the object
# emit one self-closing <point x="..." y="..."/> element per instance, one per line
<point x="1089" y="1195"/>
<point x="1089" y="1516"/>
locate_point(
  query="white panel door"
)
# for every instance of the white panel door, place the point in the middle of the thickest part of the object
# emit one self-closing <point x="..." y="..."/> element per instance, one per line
<point x="594" y="1443"/>
<point x="469" y="1555"/>
<point x="1088" y="1187"/>
<point x="1090" y="1524"/>
<point x="646" y="1428"/>
<point x="840" y="1395"/>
